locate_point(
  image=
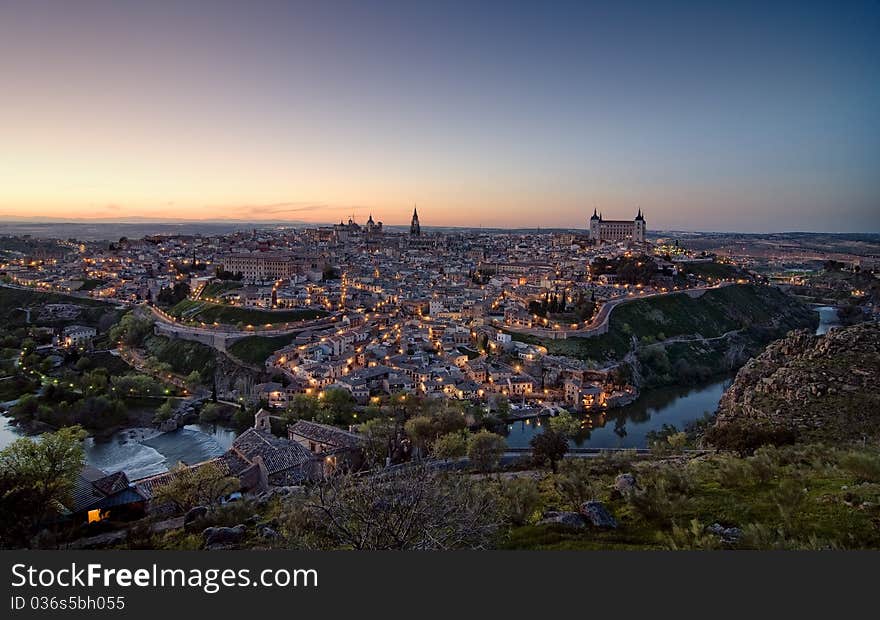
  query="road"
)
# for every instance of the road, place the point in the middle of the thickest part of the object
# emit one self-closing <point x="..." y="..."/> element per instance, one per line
<point x="599" y="324"/>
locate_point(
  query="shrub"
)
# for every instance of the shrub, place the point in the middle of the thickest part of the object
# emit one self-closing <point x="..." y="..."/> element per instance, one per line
<point x="451" y="445"/>
<point x="694" y="537"/>
<point x="789" y="497"/>
<point x="663" y="492"/>
<point x="733" y="472"/>
<point x="865" y="467"/>
<point x="574" y="482"/>
<point x="521" y="499"/>
<point x="744" y="439"/>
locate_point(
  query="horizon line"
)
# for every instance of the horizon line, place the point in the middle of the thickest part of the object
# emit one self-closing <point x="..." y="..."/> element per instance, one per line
<point x="141" y="220"/>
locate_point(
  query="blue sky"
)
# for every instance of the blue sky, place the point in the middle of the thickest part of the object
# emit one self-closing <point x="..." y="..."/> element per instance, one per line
<point x="710" y="116"/>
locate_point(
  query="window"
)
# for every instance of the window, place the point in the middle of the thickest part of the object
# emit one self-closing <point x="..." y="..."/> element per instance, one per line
<point x="96" y="515"/>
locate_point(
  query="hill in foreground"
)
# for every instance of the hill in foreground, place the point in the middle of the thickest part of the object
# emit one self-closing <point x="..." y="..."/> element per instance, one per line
<point x="807" y="387"/>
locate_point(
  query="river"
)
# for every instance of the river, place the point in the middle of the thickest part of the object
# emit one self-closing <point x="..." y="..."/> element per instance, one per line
<point x="141" y="452"/>
<point x="627" y="427"/>
<point x="827" y="319"/>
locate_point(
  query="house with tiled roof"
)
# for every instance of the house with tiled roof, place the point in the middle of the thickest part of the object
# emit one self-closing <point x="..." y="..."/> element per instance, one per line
<point x="335" y="446"/>
<point x="97" y="495"/>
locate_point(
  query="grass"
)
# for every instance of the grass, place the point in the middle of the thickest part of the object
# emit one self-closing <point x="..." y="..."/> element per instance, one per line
<point x="833" y="506"/>
<point x="714" y="313"/>
<point x="255" y="349"/>
<point x="215" y="289"/>
<point x="232" y="315"/>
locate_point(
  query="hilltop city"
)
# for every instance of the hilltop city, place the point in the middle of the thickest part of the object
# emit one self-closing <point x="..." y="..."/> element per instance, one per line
<point x="357" y="347"/>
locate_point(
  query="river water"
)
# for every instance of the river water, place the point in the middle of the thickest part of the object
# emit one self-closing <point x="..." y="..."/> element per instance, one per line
<point x="827" y="319"/>
<point x="141" y="452"/>
<point x="627" y="427"/>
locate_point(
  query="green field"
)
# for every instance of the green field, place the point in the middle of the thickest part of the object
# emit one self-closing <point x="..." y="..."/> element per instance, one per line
<point x="233" y="315"/>
<point x="255" y="349"/>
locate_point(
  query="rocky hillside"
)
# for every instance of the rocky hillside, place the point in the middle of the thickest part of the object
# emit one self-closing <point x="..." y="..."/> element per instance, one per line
<point x="810" y="387"/>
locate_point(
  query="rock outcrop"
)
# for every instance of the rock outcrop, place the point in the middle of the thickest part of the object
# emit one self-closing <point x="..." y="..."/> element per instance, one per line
<point x="815" y="387"/>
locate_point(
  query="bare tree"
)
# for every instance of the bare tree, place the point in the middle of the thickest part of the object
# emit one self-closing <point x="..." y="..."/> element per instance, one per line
<point x="412" y="507"/>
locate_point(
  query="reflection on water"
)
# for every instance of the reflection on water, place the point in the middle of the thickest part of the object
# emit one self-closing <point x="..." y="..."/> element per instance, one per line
<point x="628" y="426"/>
<point x="143" y="452"/>
<point x="827" y="319"/>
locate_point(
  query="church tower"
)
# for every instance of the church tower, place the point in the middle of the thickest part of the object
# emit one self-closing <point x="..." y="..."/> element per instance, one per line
<point x="414" y="228"/>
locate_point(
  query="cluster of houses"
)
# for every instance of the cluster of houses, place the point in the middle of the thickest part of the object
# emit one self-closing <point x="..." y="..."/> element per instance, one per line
<point x="258" y="459"/>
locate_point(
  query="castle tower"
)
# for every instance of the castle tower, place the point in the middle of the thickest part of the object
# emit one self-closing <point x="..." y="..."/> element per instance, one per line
<point x="414" y="228"/>
<point x="594" y="226"/>
<point x="640" y="227"/>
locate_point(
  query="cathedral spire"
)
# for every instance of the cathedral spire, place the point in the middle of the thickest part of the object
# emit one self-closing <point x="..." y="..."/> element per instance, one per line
<point x="414" y="228"/>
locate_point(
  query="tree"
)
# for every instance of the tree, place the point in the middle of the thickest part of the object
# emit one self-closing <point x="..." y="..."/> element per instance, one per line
<point x="164" y="412"/>
<point x="413" y="508"/>
<point x="131" y="329"/>
<point x="451" y="445"/>
<point x="210" y="413"/>
<point x="189" y="487"/>
<point x="549" y="447"/>
<point x="420" y="431"/>
<point x="338" y="404"/>
<point x="565" y="424"/>
<point x="380" y="435"/>
<point x="303" y="407"/>
<point x="485" y="450"/>
<point x="193" y="380"/>
<point x="35" y="476"/>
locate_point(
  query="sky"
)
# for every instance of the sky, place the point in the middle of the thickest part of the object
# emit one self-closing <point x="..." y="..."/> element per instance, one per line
<point x="732" y="116"/>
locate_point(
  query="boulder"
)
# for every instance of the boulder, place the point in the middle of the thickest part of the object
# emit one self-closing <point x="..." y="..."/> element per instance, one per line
<point x="194" y="514"/>
<point x="221" y="536"/>
<point x="269" y="533"/>
<point x="597" y="515"/>
<point x="568" y="519"/>
<point x="728" y="535"/>
<point x="625" y="483"/>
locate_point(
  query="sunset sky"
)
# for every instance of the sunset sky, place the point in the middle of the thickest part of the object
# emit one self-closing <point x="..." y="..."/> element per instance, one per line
<point x="752" y="117"/>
